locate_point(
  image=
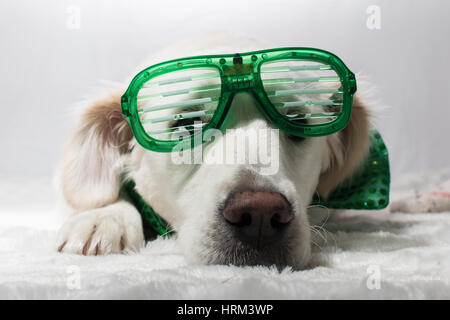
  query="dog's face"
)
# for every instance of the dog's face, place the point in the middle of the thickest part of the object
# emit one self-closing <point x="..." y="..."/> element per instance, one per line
<point x="236" y="213"/>
<point x="242" y="213"/>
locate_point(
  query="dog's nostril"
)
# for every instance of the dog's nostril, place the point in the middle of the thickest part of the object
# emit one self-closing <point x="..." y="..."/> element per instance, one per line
<point x="258" y="217"/>
<point x="246" y="219"/>
<point x="278" y="221"/>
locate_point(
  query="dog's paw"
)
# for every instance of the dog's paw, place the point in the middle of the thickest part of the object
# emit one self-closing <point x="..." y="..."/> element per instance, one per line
<point x="112" y="229"/>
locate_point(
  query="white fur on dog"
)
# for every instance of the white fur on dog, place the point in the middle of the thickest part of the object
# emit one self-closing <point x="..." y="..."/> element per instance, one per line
<point x="412" y="252"/>
<point x="187" y="196"/>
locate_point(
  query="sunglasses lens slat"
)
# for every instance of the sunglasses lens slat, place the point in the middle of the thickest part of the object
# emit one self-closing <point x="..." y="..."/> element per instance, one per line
<point x="288" y="68"/>
<point x="320" y="115"/>
<point x="281" y="93"/>
<point x="305" y="79"/>
<point x="178" y="116"/>
<point x="203" y="76"/>
<point x="174" y="129"/>
<point x="290" y="104"/>
<point x="186" y="103"/>
<point x="178" y="92"/>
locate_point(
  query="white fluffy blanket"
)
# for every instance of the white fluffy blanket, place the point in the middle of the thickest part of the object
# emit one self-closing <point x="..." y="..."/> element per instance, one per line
<point x="367" y="255"/>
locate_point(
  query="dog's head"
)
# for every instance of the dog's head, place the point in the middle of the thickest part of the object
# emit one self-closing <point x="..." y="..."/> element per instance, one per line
<point x="223" y="213"/>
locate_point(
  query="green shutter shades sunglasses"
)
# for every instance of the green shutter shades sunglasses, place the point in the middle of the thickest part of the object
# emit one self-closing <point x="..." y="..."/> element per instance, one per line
<point x="303" y="91"/>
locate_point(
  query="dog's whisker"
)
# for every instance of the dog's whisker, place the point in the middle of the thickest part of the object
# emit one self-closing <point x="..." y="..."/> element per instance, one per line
<point x="319" y="234"/>
<point x="327" y="233"/>
<point x="316" y="244"/>
<point x="169" y="231"/>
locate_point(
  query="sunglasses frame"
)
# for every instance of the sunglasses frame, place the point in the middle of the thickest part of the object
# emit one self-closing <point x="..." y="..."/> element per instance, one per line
<point x="241" y="73"/>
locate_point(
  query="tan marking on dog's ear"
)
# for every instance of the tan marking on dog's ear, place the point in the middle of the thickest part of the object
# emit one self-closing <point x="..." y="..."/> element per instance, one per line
<point x="92" y="157"/>
<point x="346" y="149"/>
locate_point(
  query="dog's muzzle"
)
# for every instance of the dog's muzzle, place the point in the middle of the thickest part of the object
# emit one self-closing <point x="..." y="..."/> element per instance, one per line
<point x="254" y="226"/>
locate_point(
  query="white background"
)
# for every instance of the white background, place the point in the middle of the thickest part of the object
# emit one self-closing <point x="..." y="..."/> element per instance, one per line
<point x="46" y="67"/>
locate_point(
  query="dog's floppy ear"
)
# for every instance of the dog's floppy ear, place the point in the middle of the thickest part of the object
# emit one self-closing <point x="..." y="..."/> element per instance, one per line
<point x="345" y="150"/>
<point x="92" y="157"/>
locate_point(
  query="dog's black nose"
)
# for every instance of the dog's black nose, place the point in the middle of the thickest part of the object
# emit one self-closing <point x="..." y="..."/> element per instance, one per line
<point x="258" y="217"/>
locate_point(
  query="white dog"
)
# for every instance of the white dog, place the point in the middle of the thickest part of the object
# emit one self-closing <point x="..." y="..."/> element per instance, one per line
<point x="196" y="200"/>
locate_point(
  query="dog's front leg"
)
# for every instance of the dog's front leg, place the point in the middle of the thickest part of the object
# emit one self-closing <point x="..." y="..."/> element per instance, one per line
<point x="111" y="229"/>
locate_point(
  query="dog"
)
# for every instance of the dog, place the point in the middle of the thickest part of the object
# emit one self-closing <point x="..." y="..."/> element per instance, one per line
<point x="197" y="201"/>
